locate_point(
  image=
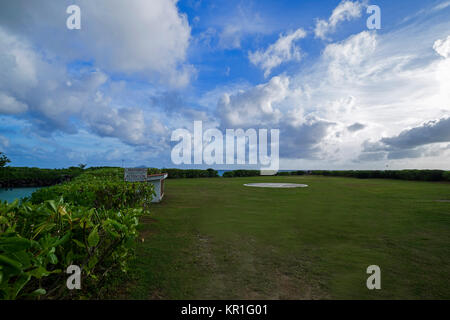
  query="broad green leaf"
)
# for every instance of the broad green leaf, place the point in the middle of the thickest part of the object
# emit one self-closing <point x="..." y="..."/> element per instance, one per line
<point x="53" y="258"/>
<point x="78" y="243"/>
<point x="38" y="292"/>
<point x="92" y="262"/>
<point x="63" y="239"/>
<point x="21" y="281"/>
<point x="10" y="262"/>
<point x="93" y="238"/>
<point x="39" y="272"/>
<point x="52" y="205"/>
<point x="44" y="227"/>
<point x="23" y="257"/>
<point x="12" y="244"/>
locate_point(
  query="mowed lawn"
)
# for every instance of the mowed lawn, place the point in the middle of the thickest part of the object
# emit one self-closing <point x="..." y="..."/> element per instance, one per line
<point x="217" y="239"/>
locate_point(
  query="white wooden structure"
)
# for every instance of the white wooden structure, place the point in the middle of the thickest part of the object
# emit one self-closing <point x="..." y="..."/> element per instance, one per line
<point x="158" y="182"/>
<point x="140" y="175"/>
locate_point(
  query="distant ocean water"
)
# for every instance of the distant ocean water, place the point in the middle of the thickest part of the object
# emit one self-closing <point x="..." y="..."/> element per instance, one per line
<point x="221" y="172"/>
<point x="16" y="193"/>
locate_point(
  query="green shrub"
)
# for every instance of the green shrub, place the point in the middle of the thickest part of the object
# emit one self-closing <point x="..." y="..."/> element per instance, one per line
<point x="228" y="174"/>
<point x="241" y="173"/>
<point x="38" y="243"/>
<point x="420" y="175"/>
<point x="446" y="175"/>
<point x="94" y="227"/>
<point x="36" y="177"/>
<point x="99" y="193"/>
<point x="153" y="171"/>
<point x="190" y="173"/>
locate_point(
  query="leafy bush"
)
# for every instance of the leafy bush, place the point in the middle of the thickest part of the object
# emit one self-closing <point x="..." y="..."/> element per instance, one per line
<point x="153" y="171"/>
<point x="99" y="193"/>
<point x="38" y="243"/>
<point x="420" y="175"/>
<point x="241" y="173"/>
<point x="35" y="177"/>
<point x="190" y="173"/>
<point x="446" y="176"/>
<point x="94" y="227"/>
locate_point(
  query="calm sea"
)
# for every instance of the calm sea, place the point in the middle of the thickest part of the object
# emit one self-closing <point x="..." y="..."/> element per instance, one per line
<point x="16" y="193"/>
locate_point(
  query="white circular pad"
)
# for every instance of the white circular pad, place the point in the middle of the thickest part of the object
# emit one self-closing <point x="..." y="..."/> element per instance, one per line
<point x="276" y="185"/>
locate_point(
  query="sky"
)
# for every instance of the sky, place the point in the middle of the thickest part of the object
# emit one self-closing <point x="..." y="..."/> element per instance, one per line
<point x="342" y="95"/>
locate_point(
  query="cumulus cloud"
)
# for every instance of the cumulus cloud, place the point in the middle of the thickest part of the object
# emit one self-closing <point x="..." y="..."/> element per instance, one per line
<point x="150" y="38"/>
<point x="274" y="105"/>
<point x="345" y="11"/>
<point x="256" y="106"/>
<point x="127" y="124"/>
<point x="304" y="141"/>
<point x="356" y="127"/>
<point x="283" y="50"/>
<point x="53" y="100"/>
<point x="18" y="63"/>
<point x="9" y="105"/>
<point x="429" y="132"/>
<point x="369" y="83"/>
<point x="442" y="47"/>
<point x="44" y="80"/>
<point x="411" y="143"/>
<point x="345" y="59"/>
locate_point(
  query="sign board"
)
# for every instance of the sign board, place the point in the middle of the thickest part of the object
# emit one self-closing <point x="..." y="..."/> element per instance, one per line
<point x="135" y="174"/>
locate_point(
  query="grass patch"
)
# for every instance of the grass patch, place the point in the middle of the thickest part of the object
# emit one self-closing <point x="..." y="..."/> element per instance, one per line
<point x="216" y="239"/>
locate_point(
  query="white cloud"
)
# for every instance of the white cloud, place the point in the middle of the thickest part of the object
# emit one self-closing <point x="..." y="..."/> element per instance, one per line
<point x="275" y="105"/>
<point x="234" y="25"/>
<point x="378" y="81"/>
<point x="17" y="63"/>
<point x="345" y="11"/>
<point x="54" y="98"/>
<point x="9" y="105"/>
<point x="441" y="6"/>
<point x="149" y="38"/>
<point x="127" y="124"/>
<point x="257" y="106"/>
<point x="283" y="50"/>
<point x="442" y="47"/>
<point x="347" y="58"/>
<point x="383" y="83"/>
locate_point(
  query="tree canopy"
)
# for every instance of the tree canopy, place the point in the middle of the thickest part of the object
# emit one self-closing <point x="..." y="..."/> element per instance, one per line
<point x="3" y="160"/>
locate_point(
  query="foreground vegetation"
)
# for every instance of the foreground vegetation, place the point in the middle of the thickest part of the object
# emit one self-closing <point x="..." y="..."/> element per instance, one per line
<point x="216" y="239"/>
<point x="90" y="222"/>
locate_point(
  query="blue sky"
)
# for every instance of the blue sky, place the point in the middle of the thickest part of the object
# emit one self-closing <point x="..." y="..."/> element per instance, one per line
<point x="343" y="96"/>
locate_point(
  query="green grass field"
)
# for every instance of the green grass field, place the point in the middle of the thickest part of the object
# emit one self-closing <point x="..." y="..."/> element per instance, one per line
<point x="216" y="239"/>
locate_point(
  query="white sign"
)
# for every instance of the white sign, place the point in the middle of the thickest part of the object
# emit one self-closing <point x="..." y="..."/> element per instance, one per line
<point x="135" y="174"/>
